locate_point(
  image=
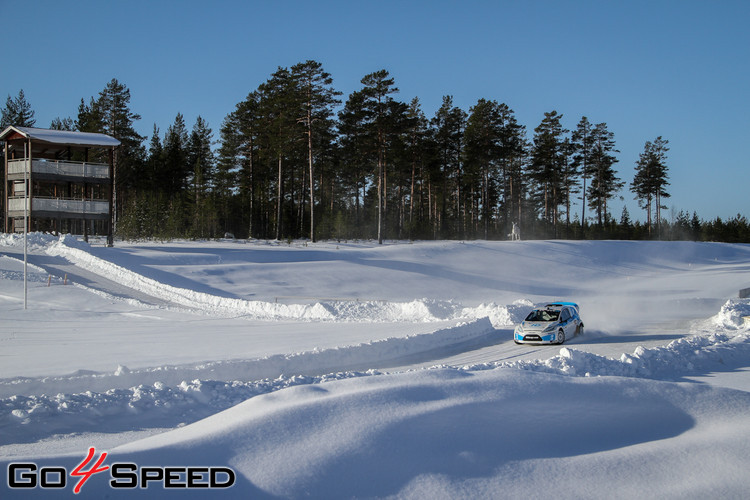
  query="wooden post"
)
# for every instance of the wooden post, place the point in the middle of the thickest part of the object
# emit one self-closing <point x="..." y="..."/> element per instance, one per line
<point x="5" y="187"/>
<point x="110" y="228"/>
<point x="85" y="225"/>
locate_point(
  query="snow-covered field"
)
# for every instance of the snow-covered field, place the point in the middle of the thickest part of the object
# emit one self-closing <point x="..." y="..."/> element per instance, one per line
<point x="339" y="370"/>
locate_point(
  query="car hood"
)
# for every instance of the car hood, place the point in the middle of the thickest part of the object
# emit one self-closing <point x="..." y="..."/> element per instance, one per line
<point x="534" y="326"/>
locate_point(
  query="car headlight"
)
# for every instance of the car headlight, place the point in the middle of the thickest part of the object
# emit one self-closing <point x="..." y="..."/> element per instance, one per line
<point x="550" y="328"/>
<point x="519" y="329"/>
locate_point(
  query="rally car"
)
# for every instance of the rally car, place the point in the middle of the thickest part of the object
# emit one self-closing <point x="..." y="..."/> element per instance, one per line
<point x="551" y="324"/>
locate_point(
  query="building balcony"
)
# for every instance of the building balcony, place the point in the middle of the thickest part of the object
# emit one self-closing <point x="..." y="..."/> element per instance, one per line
<point x="58" y="169"/>
<point x="59" y="207"/>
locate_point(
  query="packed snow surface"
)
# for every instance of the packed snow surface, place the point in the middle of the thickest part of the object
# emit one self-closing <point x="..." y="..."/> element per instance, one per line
<point x="351" y="369"/>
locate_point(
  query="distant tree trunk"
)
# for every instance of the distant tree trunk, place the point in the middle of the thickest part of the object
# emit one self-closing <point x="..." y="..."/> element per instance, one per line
<point x="380" y="187"/>
<point x="252" y="188"/>
<point x="279" y="193"/>
<point x="411" y="194"/>
<point x="658" y="215"/>
<point x="312" y="178"/>
<point x="301" y="209"/>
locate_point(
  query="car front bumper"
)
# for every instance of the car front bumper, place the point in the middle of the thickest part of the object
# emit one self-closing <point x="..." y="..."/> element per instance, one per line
<point x="535" y="338"/>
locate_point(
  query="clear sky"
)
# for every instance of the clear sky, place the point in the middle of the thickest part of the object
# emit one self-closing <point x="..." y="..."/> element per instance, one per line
<point x="679" y="69"/>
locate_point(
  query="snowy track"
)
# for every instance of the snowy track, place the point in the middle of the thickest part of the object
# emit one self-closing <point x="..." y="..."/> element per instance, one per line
<point x="179" y="332"/>
<point x="500" y="348"/>
<point x="213" y="281"/>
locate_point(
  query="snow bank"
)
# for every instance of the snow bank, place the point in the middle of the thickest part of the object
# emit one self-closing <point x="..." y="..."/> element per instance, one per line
<point x="419" y="310"/>
<point x="681" y="357"/>
<point x="169" y="395"/>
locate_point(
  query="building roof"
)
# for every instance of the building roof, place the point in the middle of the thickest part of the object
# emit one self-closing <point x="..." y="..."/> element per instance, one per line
<point x="61" y="137"/>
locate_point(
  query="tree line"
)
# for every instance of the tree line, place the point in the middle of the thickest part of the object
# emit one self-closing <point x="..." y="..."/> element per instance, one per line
<point x="295" y="160"/>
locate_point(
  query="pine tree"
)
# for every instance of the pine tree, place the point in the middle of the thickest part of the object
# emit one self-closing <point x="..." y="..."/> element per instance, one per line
<point x="650" y="179"/>
<point x="318" y="98"/>
<point x="279" y="108"/>
<point x="418" y="152"/>
<point x="695" y="227"/>
<point x="89" y="117"/>
<point x="546" y="169"/>
<point x="626" y="225"/>
<point x="228" y="166"/>
<point x="117" y="120"/>
<point x="513" y="160"/>
<point x="154" y="160"/>
<point x="356" y="153"/>
<point x="62" y="124"/>
<point x="143" y="216"/>
<point x="201" y="157"/>
<point x="17" y="112"/>
<point x="582" y="143"/>
<point x="398" y="163"/>
<point x="570" y="175"/>
<point x="377" y="91"/>
<point x="448" y="126"/>
<point x="110" y="114"/>
<point x="661" y="176"/>
<point x="604" y="180"/>
<point x="483" y="150"/>
<point x="173" y="178"/>
<point x="149" y="198"/>
<point x="252" y="178"/>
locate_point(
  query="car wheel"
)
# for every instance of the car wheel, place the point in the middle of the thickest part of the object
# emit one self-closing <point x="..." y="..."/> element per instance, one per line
<point x="580" y="329"/>
<point x="561" y="336"/>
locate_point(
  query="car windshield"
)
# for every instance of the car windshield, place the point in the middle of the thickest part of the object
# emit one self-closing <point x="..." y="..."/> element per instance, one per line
<point x="543" y="315"/>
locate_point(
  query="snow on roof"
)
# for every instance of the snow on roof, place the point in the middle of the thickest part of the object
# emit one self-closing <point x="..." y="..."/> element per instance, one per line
<point x="68" y="137"/>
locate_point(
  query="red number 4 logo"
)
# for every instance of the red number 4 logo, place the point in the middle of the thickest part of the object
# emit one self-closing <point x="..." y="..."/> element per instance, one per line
<point x="86" y="474"/>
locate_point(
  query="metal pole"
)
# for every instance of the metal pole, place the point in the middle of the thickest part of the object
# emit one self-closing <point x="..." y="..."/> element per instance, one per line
<point x="25" y="225"/>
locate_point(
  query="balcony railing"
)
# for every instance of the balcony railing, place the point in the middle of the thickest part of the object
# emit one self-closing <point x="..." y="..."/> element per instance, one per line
<point x="60" y="167"/>
<point x="60" y="205"/>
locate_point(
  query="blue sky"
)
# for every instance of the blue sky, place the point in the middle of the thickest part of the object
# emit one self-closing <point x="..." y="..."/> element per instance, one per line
<point x="679" y="69"/>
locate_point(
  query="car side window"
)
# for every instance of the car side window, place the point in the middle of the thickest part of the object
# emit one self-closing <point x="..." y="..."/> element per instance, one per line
<point x="565" y="315"/>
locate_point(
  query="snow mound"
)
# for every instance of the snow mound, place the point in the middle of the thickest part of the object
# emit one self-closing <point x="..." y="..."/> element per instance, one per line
<point x="383" y="311"/>
<point x="733" y="315"/>
<point x="34" y="240"/>
<point x="449" y="434"/>
<point x="500" y="315"/>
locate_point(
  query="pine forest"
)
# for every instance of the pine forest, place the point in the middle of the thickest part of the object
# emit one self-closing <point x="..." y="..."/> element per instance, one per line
<point x="298" y="160"/>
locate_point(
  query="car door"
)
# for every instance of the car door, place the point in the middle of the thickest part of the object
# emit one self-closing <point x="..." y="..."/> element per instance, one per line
<point x="567" y="323"/>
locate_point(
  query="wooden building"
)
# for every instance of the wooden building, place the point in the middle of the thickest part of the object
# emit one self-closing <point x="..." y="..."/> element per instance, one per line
<point x="64" y="177"/>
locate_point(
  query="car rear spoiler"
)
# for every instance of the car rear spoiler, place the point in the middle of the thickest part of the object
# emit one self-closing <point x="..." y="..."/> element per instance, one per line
<point x="561" y="304"/>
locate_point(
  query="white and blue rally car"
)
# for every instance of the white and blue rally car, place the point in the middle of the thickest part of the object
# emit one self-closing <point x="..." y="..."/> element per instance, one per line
<point x="551" y="324"/>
